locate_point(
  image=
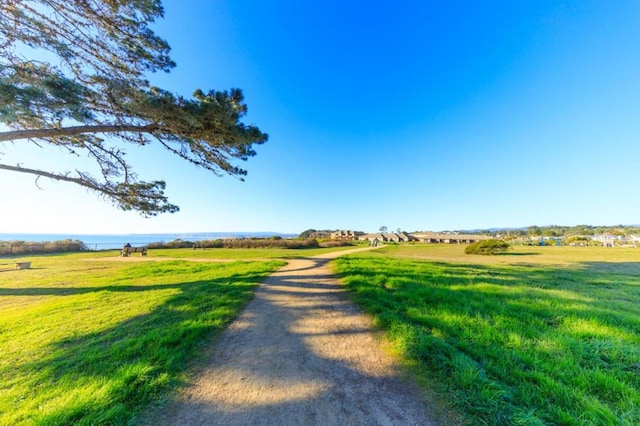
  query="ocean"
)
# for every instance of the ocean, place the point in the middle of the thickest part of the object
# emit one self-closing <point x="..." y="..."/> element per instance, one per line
<point x="116" y="241"/>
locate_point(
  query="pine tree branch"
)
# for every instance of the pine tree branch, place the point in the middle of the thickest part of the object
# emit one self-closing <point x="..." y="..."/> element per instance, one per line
<point x="54" y="176"/>
<point x="144" y="197"/>
<point x="74" y="130"/>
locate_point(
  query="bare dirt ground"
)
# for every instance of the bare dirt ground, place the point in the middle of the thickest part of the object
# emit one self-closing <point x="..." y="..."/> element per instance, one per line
<point x="299" y="354"/>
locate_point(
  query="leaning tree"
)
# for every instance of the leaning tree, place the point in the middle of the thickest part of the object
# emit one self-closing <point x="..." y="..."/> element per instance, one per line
<point x="72" y="75"/>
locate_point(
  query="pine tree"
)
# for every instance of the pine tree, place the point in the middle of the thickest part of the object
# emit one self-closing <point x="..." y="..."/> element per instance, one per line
<point x="72" y="75"/>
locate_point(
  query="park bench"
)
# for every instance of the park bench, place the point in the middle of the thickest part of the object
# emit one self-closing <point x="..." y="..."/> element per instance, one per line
<point x="126" y="251"/>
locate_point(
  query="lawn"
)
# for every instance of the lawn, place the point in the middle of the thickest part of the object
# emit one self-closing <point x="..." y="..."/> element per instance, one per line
<point x="543" y="335"/>
<point x="95" y="342"/>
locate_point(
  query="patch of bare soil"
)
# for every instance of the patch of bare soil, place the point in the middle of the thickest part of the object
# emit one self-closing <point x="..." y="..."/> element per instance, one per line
<point x="301" y="354"/>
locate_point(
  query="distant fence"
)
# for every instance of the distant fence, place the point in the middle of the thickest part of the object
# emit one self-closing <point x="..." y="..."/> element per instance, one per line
<point x="113" y="246"/>
<point x="30" y="247"/>
<point x="16" y="248"/>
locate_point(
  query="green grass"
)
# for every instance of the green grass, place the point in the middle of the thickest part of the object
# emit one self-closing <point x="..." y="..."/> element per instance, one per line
<point x="547" y="335"/>
<point x="86" y="342"/>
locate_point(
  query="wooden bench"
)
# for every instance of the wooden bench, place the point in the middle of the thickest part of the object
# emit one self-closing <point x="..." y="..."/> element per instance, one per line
<point x="126" y="251"/>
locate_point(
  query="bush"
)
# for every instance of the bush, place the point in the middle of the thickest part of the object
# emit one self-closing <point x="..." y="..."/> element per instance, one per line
<point x="487" y="247"/>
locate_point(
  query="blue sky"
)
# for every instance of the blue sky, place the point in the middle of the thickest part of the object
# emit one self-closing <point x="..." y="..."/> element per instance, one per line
<point x="418" y="115"/>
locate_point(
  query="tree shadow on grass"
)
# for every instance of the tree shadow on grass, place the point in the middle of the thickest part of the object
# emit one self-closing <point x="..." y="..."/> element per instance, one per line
<point x="19" y="271"/>
<point x="72" y="291"/>
<point x="75" y="290"/>
<point x="620" y="268"/>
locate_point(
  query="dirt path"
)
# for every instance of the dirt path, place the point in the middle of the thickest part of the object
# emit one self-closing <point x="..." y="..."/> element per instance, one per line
<point x="299" y="354"/>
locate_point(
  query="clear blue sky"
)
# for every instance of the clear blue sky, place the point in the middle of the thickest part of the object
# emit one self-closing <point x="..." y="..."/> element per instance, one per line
<point x="419" y="115"/>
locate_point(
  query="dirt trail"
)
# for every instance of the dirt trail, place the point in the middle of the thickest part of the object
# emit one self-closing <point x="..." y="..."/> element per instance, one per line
<point x="299" y="354"/>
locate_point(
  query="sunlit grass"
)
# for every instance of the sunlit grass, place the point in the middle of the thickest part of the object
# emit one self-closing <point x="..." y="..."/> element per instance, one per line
<point x="96" y="342"/>
<point x="545" y="335"/>
<point x="619" y="257"/>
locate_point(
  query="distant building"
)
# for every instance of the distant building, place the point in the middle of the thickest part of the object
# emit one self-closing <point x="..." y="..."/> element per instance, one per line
<point x="390" y="236"/>
<point x="371" y="237"/>
<point x="423" y="237"/>
<point x="607" y="240"/>
<point x="345" y="235"/>
<point x="405" y="237"/>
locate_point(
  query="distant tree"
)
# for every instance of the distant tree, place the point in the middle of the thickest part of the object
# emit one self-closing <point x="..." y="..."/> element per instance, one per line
<point x="72" y="75"/>
<point x="383" y="229"/>
<point x="581" y="230"/>
<point x="534" y="231"/>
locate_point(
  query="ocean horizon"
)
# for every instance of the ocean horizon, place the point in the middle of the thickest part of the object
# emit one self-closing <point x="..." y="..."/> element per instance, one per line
<point x="114" y="241"/>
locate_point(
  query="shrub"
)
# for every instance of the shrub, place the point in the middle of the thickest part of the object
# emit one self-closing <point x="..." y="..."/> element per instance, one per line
<point x="487" y="247"/>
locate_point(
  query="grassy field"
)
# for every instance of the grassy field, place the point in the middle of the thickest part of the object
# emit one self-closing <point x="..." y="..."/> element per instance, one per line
<point x="94" y="342"/>
<point x="543" y="335"/>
